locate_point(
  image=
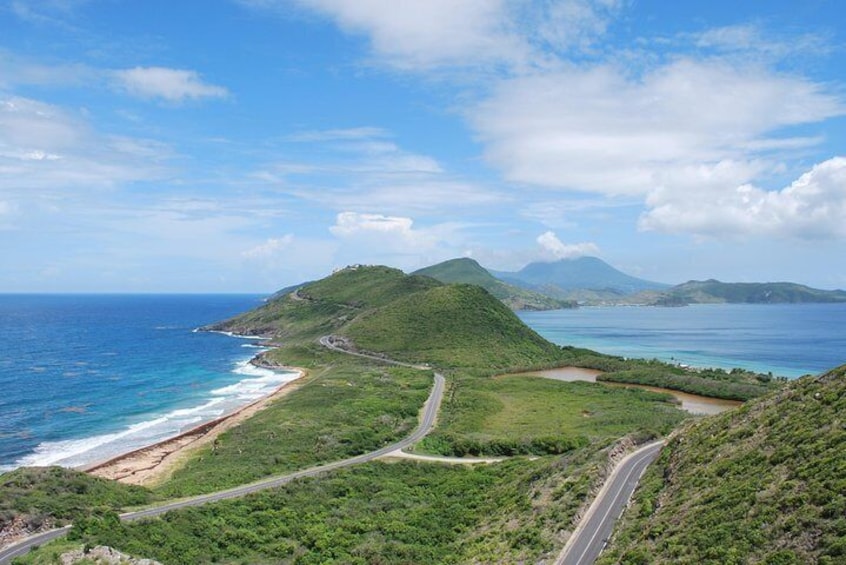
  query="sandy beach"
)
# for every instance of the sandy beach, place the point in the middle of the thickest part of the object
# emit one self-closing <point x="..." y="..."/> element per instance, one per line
<point x="153" y="464"/>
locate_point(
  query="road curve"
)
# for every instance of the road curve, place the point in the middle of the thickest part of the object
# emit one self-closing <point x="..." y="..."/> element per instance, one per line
<point x="589" y="539"/>
<point x="427" y="421"/>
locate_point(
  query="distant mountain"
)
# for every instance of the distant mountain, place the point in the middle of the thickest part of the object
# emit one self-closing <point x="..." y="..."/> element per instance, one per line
<point x="713" y="291"/>
<point x="468" y="271"/>
<point x="563" y="278"/>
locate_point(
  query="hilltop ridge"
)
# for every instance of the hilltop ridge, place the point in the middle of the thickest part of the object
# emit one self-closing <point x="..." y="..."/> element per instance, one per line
<point x="410" y="317"/>
<point x="469" y="271"/>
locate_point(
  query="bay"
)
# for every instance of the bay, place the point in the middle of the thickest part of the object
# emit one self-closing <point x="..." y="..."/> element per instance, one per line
<point x="788" y="340"/>
<point x="86" y="377"/>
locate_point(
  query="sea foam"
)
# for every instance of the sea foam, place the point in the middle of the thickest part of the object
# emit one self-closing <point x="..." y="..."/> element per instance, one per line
<point x="220" y="401"/>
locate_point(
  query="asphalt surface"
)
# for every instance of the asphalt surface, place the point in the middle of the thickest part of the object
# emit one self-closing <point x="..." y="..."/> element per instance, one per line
<point x="589" y="539"/>
<point x="430" y="412"/>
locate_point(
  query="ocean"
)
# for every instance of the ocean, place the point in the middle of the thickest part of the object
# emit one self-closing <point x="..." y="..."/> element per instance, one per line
<point x="788" y="340"/>
<point x="87" y="377"/>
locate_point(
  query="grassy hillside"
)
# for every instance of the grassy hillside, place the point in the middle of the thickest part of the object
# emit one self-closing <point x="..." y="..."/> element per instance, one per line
<point x="453" y="325"/>
<point x="762" y="484"/>
<point x="321" y="307"/>
<point x="468" y="271"/>
<point x="32" y="497"/>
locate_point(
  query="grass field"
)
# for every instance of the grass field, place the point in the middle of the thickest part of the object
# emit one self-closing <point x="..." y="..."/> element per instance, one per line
<point x="523" y="414"/>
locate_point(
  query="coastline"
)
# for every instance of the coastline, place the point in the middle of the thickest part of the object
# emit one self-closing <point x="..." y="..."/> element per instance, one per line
<point x="154" y="463"/>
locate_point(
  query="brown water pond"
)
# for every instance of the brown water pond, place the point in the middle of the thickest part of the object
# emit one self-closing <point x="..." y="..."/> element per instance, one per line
<point x="693" y="403"/>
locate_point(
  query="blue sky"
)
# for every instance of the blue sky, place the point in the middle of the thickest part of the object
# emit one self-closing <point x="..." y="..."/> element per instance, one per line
<point x="246" y="145"/>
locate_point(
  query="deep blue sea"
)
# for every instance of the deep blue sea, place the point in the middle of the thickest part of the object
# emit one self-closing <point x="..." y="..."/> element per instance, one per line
<point x="86" y="377"/>
<point x="788" y="340"/>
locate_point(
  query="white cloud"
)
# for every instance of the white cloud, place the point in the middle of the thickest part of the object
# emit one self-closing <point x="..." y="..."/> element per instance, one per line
<point x="554" y="248"/>
<point x="270" y="248"/>
<point x="45" y="149"/>
<point x="813" y="206"/>
<point x="422" y="35"/>
<point x="173" y="85"/>
<point x="751" y="38"/>
<point x="352" y="223"/>
<point x="427" y="33"/>
<point x="602" y="130"/>
<point x="394" y="240"/>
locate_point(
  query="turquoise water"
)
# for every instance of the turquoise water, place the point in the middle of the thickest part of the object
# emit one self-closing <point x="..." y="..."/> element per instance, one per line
<point x="786" y="339"/>
<point x="87" y="377"/>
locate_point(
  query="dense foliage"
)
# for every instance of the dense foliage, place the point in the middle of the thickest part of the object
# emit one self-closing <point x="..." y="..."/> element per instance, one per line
<point x="706" y="383"/>
<point x="737" y="384"/>
<point x="57" y="495"/>
<point x="377" y="513"/>
<point x="765" y="483"/>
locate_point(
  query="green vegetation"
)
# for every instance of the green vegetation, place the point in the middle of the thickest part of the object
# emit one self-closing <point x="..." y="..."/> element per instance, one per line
<point x="713" y="291"/>
<point x="532" y="415"/>
<point x="376" y="513"/>
<point x="516" y="511"/>
<point x="452" y="326"/>
<point x="35" y="496"/>
<point x="321" y="307"/>
<point x="716" y="383"/>
<point x="468" y="271"/>
<point x="765" y="483"/>
<point x="347" y="407"/>
<point x="736" y="384"/>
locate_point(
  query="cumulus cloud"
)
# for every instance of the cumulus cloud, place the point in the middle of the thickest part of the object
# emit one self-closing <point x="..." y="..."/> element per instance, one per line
<point x="270" y="248"/>
<point x="395" y="240"/>
<point x="352" y="223"/>
<point x="554" y="248"/>
<point x="602" y="130"/>
<point x="813" y="206"/>
<point x="172" y="85"/>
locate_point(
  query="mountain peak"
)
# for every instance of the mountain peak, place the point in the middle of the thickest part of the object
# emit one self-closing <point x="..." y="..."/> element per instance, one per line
<point x="582" y="273"/>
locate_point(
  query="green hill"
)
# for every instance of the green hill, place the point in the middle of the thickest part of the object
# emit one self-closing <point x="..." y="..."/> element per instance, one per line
<point x="321" y="307"/>
<point x="459" y="325"/>
<point x="468" y="271"/>
<point x="410" y="317"/>
<point x="765" y="483"/>
<point x="713" y="291"/>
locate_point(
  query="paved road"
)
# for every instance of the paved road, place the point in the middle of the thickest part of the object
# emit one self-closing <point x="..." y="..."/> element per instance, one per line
<point x="430" y="412"/>
<point x="589" y="539"/>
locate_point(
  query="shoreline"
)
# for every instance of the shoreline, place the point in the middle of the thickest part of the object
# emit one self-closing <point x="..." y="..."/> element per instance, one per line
<point x="152" y="464"/>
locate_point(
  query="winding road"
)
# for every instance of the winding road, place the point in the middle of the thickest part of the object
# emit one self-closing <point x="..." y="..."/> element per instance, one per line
<point x="590" y="537"/>
<point x="427" y="421"/>
<point x="583" y="547"/>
